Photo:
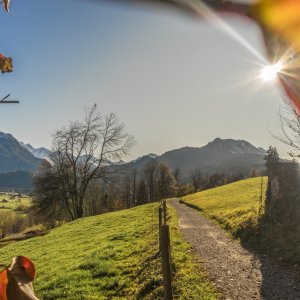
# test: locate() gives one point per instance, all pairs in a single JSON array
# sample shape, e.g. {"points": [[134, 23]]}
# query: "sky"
{"points": [[173, 80]]}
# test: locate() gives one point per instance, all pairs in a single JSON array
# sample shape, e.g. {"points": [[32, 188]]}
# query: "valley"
{"points": [[116, 254], [150, 150]]}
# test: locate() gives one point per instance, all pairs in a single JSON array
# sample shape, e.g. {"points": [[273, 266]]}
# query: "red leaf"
{"points": [[16, 280]]}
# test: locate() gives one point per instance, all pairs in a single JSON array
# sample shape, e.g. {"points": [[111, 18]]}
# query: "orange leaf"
{"points": [[282, 17], [5, 64], [280, 22], [3, 284]]}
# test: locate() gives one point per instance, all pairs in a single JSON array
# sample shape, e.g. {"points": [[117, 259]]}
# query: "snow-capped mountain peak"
{"points": [[41, 152], [13, 156]]}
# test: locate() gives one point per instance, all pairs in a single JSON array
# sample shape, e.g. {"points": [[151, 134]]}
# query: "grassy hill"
{"points": [[233, 205], [111, 256], [236, 208]]}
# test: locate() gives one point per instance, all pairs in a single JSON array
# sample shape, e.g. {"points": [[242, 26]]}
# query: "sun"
{"points": [[269, 73]]}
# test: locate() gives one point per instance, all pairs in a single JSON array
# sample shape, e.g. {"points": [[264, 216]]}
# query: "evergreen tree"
{"points": [[271, 157]]}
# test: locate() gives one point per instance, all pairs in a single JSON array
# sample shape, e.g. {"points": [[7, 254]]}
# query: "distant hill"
{"points": [[16, 180], [14, 157], [219, 156]]}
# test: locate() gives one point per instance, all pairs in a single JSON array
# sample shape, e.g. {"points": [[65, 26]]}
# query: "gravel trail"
{"points": [[237, 273]]}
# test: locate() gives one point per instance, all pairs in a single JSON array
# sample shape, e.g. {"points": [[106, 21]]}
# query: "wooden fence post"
{"points": [[159, 216], [159, 227], [166, 262], [165, 212]]}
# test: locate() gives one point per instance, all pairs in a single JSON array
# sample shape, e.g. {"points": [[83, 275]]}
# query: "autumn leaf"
{"points": [[3, 284], [6, 4], [282, 17], [5, 64], [280, 24], [16, 280]]}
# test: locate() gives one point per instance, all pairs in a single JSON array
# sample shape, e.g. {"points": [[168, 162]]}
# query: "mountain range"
{"points": [[41, 152], [14, 157], [219, 156], [227, 156]]}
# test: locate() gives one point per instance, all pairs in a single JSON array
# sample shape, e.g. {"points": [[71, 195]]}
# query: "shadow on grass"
{"points": [[276, 248], [190, 205]]}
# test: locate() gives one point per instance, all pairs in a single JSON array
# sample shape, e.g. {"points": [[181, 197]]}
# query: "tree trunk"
{"points": [[79, 212]]}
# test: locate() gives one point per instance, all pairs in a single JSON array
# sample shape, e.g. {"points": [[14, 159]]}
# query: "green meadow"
{"points": [[233, 205], [239, 208], [110, 256], [14, 203]]}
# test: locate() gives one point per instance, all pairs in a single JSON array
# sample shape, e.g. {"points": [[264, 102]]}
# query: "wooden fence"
{"points": [[164, 247]]}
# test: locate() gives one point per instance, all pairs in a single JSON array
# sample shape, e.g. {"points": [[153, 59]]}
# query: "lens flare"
{"points": [[205, 11], [270, 73]]}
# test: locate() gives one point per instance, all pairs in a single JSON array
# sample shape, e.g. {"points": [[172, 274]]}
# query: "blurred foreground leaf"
{"points": [[5, 64], [6, 4], [16, 280]]}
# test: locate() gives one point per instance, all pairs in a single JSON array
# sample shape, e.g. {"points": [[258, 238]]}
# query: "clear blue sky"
{"points": [[174, 81]]}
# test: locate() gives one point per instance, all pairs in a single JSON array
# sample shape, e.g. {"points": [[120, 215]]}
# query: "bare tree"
{"points": [[126, 191], [177, 174], [134, 174], [141, 192], [49, 204], [6, 222], [290, 127], [129, 187], [81, 153], [196, 179], [166, 182], [216, 179], [93, 201], [150, 172]]}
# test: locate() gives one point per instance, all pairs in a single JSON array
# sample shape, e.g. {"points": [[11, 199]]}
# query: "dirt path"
{"points": [[236, 272]]}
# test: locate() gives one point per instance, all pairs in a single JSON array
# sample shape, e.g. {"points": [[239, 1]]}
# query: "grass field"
{"points": [[236, 208], [12, 204], [111, 256], [233, 205]]}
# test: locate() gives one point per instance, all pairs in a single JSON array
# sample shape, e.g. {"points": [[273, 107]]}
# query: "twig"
{"points": [[3, 100]]}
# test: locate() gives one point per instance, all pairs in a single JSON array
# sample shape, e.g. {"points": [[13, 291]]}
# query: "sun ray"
{"points": [[206, 12]]}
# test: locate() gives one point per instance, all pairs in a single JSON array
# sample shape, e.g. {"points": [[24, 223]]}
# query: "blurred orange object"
{"points": [[6, 4], [5, 64], [282, 17], [16, 280]]}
